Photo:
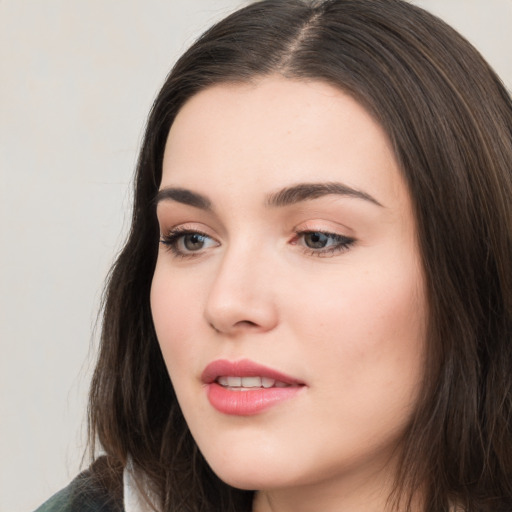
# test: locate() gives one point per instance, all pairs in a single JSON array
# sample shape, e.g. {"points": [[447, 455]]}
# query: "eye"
{"points": [[320, 243], [316, 240], [187, 243], [192, 241]]}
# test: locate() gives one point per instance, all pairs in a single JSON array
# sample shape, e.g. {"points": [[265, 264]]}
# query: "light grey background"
{"points": [[77, 80]]}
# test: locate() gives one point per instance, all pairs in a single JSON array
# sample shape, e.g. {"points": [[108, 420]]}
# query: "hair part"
{"points": [[449, 120]]}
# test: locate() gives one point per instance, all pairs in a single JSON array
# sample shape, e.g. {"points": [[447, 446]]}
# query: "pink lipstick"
{"points": [[244, 388]]}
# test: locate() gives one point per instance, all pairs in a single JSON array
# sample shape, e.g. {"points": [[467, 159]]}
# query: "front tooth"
{"points": [[251, 382], [234, 382], [223, 381], [266, 382]]}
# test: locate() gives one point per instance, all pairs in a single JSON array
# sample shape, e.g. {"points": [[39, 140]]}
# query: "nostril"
{"points": [[241, 324], [246, 323]]}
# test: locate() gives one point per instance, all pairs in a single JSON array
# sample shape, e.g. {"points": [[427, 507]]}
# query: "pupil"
{"points": [[316, 240], [193, 242]]}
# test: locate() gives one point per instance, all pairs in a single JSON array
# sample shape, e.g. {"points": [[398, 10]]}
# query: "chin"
{"points": [[249, 469], [249, 480], [261, 471]]}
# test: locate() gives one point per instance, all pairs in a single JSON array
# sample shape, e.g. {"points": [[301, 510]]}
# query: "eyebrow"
{"points": [[184, 196], [308, 191], [284, 197]]}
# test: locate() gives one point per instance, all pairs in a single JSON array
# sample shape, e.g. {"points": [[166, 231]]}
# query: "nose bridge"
{"points": [[241, 293]]}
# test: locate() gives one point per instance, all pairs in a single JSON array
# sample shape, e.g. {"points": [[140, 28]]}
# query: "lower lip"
{"points": [[248, 402]]}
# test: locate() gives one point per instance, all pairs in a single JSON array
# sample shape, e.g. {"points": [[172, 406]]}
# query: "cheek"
{"points": [[175, 317], [368, 326]]}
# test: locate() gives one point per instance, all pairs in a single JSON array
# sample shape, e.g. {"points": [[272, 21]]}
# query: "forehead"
{"points": [[274, 132]]}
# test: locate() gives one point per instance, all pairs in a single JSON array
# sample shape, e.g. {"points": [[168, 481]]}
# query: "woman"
{"points": [[313, 310]]}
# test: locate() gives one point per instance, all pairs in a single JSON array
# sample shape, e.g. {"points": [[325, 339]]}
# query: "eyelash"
{"points": [[341, 242]]}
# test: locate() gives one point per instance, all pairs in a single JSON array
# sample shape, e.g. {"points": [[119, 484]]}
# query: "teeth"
{"points": [[249, 382], [234, 382], [267, 383]]}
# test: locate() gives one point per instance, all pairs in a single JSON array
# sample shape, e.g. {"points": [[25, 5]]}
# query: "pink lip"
{"points": [[251, 401], [243, 368]]}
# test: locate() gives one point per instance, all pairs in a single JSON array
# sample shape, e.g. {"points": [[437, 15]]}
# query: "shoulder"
{"points": [[86, 493]]}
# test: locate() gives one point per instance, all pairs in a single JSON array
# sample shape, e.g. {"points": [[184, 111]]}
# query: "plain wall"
{"points": [[77, 80]]}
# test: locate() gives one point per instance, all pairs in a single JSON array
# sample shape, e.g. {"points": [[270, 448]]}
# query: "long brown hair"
{"points": [[450, 122]]}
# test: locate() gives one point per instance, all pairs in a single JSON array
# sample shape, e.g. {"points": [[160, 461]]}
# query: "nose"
{"points": [[242, 296]]}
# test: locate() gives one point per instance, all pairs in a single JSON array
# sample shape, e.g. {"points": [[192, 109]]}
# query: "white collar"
{"points": [[132, 499]]}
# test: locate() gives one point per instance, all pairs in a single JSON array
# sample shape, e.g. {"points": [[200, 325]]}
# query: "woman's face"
{"points": [[288, 295]]}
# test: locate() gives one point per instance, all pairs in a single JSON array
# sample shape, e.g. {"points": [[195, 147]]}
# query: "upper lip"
{"points": [[243, 368]]}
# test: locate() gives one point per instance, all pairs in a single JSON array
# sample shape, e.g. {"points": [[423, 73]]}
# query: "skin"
{"points": [[349, 323]]}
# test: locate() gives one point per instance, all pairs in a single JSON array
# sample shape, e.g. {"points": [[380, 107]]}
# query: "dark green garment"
{"points": [[83, 494]]}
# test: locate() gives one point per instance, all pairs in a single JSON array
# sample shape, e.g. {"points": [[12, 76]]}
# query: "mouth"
{"points": [[246, 383], [246, 374], [244, 388]]}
